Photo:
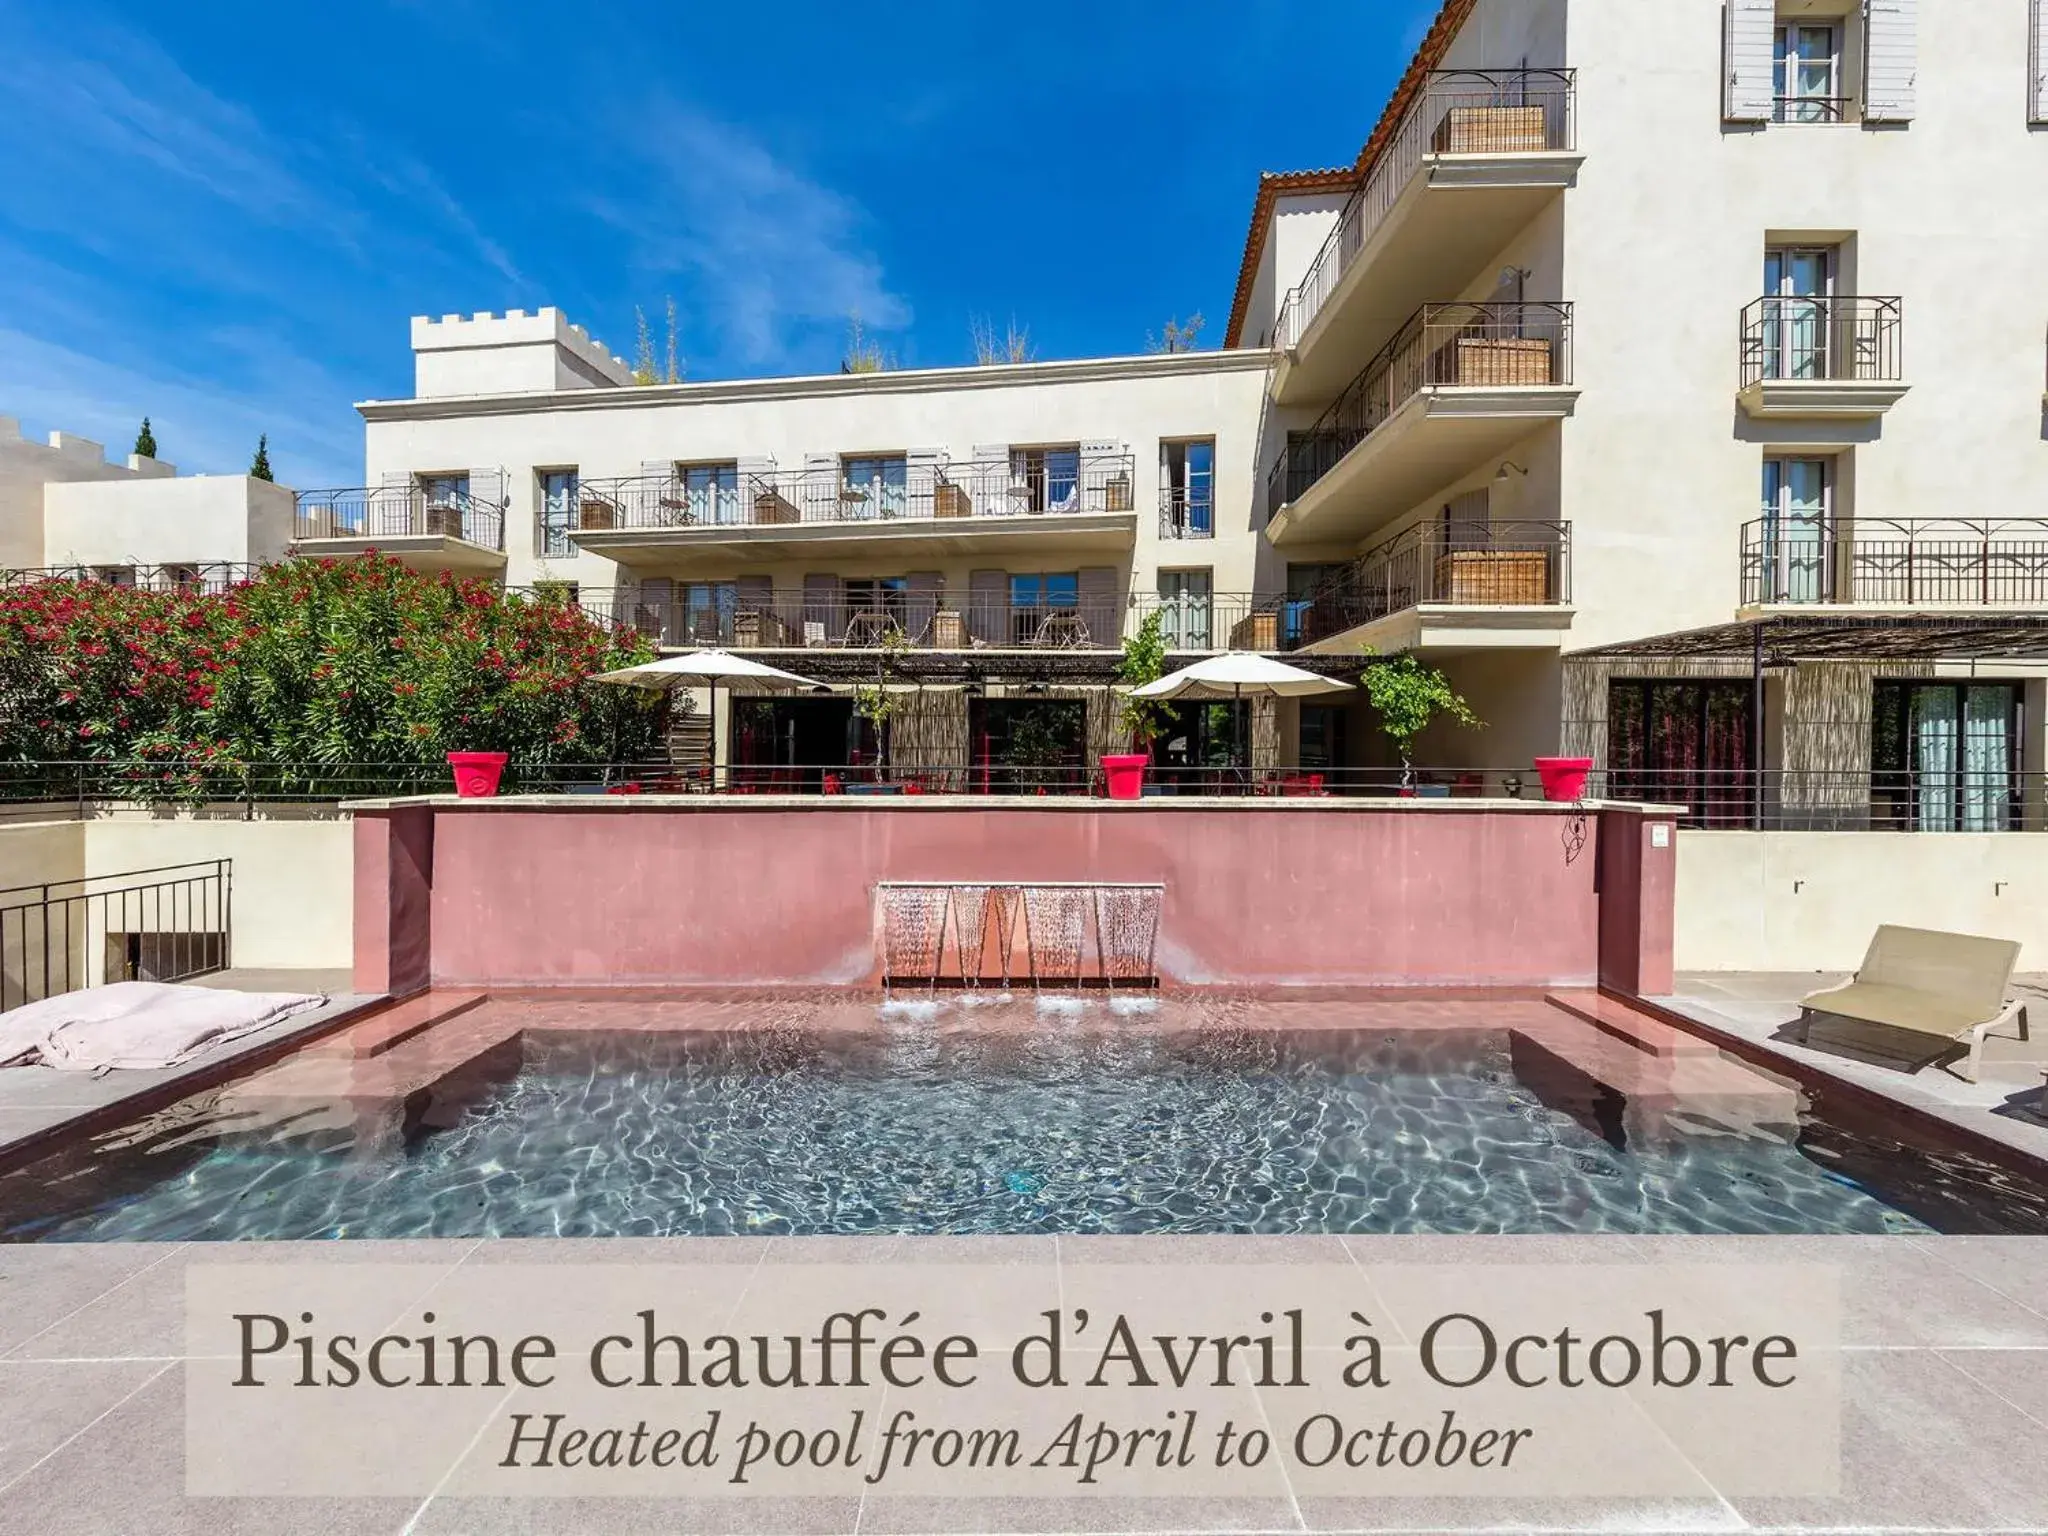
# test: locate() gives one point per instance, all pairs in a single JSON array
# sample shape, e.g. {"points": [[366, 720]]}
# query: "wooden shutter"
{"points": [[825, 604], [2037, 61], [655, 614], [927, 591], [487, 487], [988, 606], [1891, 59], [657, 469], [1098, 584], [1746, 48]]}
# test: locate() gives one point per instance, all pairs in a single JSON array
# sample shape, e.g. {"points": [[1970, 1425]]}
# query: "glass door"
{"points": [[1807, 63], [1795, 542], [1798, 282], [1185, 603]]}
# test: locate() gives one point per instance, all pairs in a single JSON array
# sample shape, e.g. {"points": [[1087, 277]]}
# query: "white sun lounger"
{"points": [[1946, 986]]}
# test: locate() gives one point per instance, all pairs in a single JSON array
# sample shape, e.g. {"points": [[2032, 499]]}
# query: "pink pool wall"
{"points": [[546, 894]]}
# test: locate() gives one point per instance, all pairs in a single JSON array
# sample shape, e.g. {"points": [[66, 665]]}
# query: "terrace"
{"points": [[1477, 156], [1081, 498], [431, 524], [1458, 385]]}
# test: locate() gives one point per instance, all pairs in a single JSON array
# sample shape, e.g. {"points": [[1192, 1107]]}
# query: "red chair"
{"points": [[832, 784]]}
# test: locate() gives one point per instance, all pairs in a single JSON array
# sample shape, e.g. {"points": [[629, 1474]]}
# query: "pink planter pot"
{"points": [[476, 773], [1125, 772], [1564, 778]]}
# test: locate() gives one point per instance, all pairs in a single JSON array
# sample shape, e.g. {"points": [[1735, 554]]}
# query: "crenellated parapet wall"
{"points": [[512, 353]]}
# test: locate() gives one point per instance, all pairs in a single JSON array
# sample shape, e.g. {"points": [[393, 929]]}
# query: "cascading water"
{"points": [[1063, 923]]}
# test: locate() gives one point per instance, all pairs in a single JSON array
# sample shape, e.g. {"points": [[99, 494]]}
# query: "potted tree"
{"points": [[1408, 696], [876, 704], [1143, 661]]}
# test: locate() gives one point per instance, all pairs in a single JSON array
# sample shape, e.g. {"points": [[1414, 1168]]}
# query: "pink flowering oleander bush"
{"points": [[313, 664]]}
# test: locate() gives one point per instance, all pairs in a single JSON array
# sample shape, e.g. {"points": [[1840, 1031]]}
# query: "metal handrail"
{"points": [[1958, 561], [399, 511], [1458, 111], [57, 933], [1486, 346], [202, 576], [1452, 562], [1823, 337]]}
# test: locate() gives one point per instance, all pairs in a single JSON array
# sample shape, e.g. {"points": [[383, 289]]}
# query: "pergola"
{"points": [[1776, 642]]}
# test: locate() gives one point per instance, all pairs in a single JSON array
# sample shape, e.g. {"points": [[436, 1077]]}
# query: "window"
{"points": [[1945, 756], [873, 485], [1682, 742], [1186, 604], [1190, 476], [1306, 583], [711, 492], [1046, 479], [704, 611], [444, 490], [1806, 69], [1322, 737], [557, 509], [1038, 597], [1795, 544]]}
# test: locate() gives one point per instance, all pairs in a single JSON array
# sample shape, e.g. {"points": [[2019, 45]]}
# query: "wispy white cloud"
{"points": [[775, 259], [199, 424]]}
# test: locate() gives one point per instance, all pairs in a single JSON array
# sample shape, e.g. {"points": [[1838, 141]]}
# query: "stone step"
{"points": [[1631, 1026], [403, 1021]]}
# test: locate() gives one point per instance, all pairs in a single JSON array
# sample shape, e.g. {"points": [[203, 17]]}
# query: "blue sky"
{"points": [[222, 213]]}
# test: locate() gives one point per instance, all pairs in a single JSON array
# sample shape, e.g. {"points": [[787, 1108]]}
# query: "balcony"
{"points": [[1476, 158], [1880, 563], [198, 576], [1458, 385], [971, 508], [792, 619], [1833, 358], [445, 530], [1447, 587], [1185, 514]]}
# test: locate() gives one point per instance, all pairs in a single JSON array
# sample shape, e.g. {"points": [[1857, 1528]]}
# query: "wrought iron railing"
{"points": [[1489, 346], [1458, 112], [202, 576], [1839, 337], [792, 619], [1185, 514], [1025, 486], [1520, 563], [1811, 109], [397, 512], [1907, 562], [164, 924], [1960, 798]]}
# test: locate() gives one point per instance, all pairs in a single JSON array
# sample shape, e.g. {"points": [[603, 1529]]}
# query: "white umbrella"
{"points": [[707, 669], [1234, 674]]}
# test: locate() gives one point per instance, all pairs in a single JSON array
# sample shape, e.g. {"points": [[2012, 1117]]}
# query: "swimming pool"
{"points": [[1088, 1122]]}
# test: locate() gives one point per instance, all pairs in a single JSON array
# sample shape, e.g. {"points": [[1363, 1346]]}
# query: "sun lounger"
{"points": [[1944, 986]]}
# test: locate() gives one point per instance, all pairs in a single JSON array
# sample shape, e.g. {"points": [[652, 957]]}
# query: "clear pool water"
{"points": [[1063, 1129]]}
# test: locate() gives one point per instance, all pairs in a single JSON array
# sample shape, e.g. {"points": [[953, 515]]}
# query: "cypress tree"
{"points": [[259, 467], [145, 441]]}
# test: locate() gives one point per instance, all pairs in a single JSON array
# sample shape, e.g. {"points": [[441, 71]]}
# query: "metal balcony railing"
{"points": [[1921, 561], [1520, 563], [1838, 338], [1185, 514], [1022, 486], [1215, 621], [398, 512], [195, 576], [1458, 112], [1488, 346], [788, 619], [162, 924]]}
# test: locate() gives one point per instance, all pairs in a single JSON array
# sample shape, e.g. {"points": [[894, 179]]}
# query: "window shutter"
{"points": [[988, 604], [824, 605], [2037, 62], [654, 614], [657, 469], [754, 594], [1098, 586], [927, 590], [1751, 27], [1891, 59], [487, 487]]}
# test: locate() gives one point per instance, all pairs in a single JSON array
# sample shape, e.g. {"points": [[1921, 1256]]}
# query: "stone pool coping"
{"points": [[1946, 1381], [727, 800], [42, 1110], [2004, 1118]]}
